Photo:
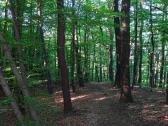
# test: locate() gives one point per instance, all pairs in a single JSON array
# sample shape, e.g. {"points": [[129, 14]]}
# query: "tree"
{"points": [[21, 76], [14, 104], [45, 55], [61, 57], [73, 46], [22, 84], [136, 47], [151, 57], [126, 95], [140, 49], [118, 45]]}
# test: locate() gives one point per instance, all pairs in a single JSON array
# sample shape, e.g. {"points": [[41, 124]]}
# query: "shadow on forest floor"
{"points": [[97, 105]]}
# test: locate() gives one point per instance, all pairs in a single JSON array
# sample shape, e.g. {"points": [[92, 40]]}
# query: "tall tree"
{"points": [[141, 48], [17, 16], [126, 95], [111, 73], [45, 56], [151, 80], [118, 45], [8, 93], [136, 48], [163, 49], [61, 57], [73, 45], [21, 82]]}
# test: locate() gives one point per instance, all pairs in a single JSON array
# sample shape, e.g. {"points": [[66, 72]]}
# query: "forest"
{"points": [[83, 62]]}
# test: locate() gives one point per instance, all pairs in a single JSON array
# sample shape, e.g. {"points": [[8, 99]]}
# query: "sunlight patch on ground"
{"points": [[78, 97], [148, 105], [160, 91], [165, 106], [73, 98], [100, 99], [166, 118], [58, 92]]}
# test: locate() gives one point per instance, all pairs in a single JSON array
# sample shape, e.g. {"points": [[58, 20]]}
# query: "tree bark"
{"points": [[14, 104], [61, 57], [126, 95], [118, 46], [136, 47], [140, 50], [163, 51], [167, 89], [45, 54], [111, 73], [78, 61], [73, 46], [151, 81], [22, 83]]}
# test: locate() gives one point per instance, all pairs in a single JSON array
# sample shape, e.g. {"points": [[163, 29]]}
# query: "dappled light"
{"points": [[83, 62], [100, 99], [98, 103], [73, 98]]}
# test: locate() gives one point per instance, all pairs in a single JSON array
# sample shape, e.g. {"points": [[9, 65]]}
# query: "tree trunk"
{"points": [[140, 50], [93, 62], [100, 56], [111, 73], [163, 52], [21, 77], [22, 83], [136, 48], [126, 95], [73, 45], [14, 104], [61, 57], [167, 89], [45, 55], [97, 74], [78, 61], [118, 46], [162, 63], [151, 82]]}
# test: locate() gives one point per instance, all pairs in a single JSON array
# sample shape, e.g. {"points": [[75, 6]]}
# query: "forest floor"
{"points": [[98, 105]]}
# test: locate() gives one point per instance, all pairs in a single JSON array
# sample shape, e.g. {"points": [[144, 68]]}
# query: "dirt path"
{"points": [[97, 105]]}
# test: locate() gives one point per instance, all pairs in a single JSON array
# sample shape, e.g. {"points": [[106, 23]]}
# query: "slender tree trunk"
{"points": [[46, 62], [97, 74], [162, 62], [136, 47], [45, 54], [73, 46], [140, 50], [167, 89], [78, 61], [157, 70], [21, 77], [118, 46], [61, 57], [111, 73], [163, 53], [93, 61], [152, 50], [1, 92], [14, 104], [22, 83], [126, 95], [100, 56], [86, 72], [100, 66]]}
